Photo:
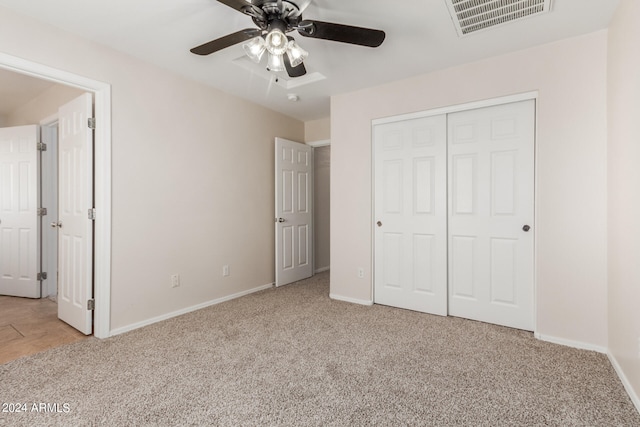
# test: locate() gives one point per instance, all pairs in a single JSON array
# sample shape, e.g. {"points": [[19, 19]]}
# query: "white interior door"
{"points": [[294, 211], [19, 221], [491, 212], [75, 193], [411, 214]]}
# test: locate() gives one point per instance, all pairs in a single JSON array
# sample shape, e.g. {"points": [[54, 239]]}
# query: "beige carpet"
{"points": [[292, 356]]}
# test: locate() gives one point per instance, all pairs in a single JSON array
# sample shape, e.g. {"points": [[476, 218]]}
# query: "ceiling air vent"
{"points": [[475, 15]]}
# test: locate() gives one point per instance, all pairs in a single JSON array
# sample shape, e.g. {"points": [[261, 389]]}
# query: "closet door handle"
{"points": [[526, 228], [379, 223]]}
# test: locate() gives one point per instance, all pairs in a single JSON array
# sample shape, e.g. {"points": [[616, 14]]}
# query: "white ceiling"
{"points": [[421, 37]]}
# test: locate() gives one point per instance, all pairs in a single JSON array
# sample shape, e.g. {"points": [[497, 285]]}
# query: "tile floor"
{"points": [[28, 326]]}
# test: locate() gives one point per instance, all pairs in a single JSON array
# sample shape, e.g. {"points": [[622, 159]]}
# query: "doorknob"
{"points": [[526, 228], [281, 219], [56, 225], [379, 223]]}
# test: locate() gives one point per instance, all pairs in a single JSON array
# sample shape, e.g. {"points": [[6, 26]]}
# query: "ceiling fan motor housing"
{"points": [[265, 14]]}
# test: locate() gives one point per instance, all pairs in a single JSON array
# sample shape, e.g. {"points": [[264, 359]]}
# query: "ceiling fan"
{"points": [[276, 18]]}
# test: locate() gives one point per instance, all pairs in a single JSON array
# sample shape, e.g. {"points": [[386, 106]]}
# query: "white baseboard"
{"points": [[153, 320], [625, 381], [351, 300], [321, 269], [569, 343]]}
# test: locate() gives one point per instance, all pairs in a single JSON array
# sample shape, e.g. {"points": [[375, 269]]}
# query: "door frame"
{"points": [[491, 102], [102, 170]]}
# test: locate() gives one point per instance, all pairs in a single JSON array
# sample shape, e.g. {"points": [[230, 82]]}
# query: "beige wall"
{"points": [[317, 130], [44, 105], [624, 192], [192, 184], [571, 225]]}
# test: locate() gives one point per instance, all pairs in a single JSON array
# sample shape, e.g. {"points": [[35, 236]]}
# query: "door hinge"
{"points": [[42, 146], [91, 122], [41, 276], [42, 211], [91, 304], [92, 214]]}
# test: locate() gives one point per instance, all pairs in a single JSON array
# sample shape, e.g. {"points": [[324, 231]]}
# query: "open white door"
{"points": [[411, 214], [294, 212], [19, 220], [75, 201], [491, 209]]}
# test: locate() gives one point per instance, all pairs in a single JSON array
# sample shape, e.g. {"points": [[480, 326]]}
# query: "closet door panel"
{"points": [[491, 200], [410, 230]]}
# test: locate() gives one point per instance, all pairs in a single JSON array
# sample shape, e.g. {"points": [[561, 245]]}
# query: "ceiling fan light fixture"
{"points": [[296, 54], [275, 62], [255, 48], [276, 42], [275, 18]]}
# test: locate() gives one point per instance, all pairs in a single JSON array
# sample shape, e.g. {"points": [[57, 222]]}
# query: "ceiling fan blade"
{"points": [[238, 5], [293, 72], [341, 33], [226, 41]]}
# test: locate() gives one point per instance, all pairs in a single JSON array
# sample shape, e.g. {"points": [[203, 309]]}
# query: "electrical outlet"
{"points": [[225, 270], [175, 280], [361, 273]]}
